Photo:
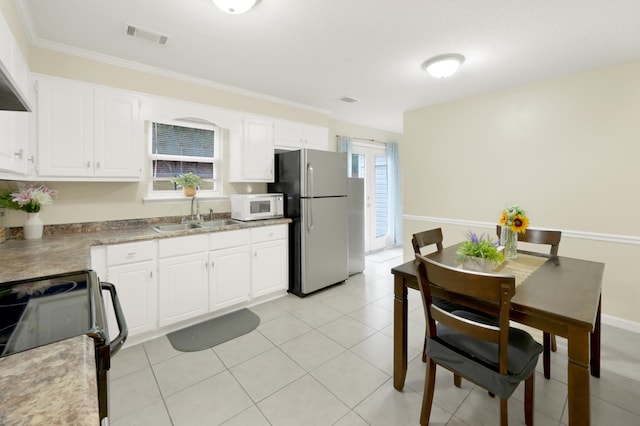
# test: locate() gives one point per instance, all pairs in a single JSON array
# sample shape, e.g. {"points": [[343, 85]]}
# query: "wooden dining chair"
{"points": [[485, 351], [419, 241], [551, 238]]}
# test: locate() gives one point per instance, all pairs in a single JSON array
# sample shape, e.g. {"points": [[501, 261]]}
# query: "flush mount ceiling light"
{"points": [[148, 35], [442, 66], [235, 7]]}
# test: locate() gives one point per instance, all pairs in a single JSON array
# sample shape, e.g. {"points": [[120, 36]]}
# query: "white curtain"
{"points": [[394, 237], [345, 145]]}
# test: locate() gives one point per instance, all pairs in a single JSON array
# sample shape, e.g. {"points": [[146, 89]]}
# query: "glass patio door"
{"points": [[370, 163]]}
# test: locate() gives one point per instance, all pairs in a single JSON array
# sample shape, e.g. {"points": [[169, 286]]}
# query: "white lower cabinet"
{"points": [[137, 290], [182, 278], [175, 279], [229, 275], [131, 267], [269, 260]]}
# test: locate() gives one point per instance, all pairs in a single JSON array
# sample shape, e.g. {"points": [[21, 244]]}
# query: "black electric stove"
{"points": [[49, 309]]}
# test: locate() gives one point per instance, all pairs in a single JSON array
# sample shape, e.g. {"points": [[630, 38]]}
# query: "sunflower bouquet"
{"points": [[515, 217]]}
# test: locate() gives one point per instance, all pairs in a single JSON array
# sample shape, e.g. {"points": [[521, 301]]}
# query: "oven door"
{"points": [[107, 349]]}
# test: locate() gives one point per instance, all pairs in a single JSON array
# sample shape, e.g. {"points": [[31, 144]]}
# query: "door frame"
{"points": [[370, 151]]}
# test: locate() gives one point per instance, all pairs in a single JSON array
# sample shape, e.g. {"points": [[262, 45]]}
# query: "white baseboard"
{"points": [[621, 323]]}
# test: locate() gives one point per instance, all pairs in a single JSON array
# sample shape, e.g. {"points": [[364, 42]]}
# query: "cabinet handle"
{"points": [[98, 165], [131, 254], [19, 154], [212, 264], [88, 164]]}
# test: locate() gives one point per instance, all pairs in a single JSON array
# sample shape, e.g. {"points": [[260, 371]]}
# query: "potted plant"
{"points": [[189, 182], [480, 253], [30, 199]]}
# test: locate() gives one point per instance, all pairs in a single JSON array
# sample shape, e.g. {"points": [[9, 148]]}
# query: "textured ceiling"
{"points": [[314, 52]]}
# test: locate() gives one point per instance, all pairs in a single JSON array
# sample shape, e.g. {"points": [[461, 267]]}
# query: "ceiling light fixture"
{"points": [[443, 66], [148, 35], [235, 7]]}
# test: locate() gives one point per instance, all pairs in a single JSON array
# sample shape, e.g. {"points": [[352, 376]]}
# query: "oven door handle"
{"points": [[116, 344]]}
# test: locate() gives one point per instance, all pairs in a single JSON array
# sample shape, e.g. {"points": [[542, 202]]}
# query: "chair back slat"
{"points": [[483, 331]]}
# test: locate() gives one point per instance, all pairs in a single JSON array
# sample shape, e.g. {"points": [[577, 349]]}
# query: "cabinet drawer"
{"points": [[178, 246], [227, 239], [269, 233], [131, 252]]}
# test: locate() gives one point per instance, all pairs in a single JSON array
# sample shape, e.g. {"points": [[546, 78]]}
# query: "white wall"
{"points": [[566, 149]]}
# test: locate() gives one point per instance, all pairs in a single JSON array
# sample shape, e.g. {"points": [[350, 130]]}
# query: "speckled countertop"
{"points": [[69, 251], [50, 385]]}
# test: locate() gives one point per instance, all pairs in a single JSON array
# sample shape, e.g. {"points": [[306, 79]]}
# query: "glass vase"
{"points": [[509, 240], [33, 227]]}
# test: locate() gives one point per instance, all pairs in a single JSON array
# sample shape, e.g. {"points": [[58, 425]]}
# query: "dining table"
{"points": [[559, 295]]}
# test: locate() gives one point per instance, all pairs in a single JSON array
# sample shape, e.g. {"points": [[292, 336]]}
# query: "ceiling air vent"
{"points": [[349, 100], [148, 35]]}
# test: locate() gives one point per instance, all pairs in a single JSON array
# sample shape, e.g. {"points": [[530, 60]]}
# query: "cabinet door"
{"points": [[65, 129], [137, 290], [288, 135], [269, 267], [184, 288], [257, 150], [13, 125], [229, 277], [12, 141], [316, 137], [119, 134]]}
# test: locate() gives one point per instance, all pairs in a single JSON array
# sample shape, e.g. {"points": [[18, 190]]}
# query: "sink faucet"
{"points": [[196, 215]]}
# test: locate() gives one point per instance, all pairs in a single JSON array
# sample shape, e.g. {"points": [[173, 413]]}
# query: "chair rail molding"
{"points": [[594, 236]]}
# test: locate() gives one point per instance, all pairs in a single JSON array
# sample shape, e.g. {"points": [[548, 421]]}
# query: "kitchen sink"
{"points": [[175, 227], [220, 222]]}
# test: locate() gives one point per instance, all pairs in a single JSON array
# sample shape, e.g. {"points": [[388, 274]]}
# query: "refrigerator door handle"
{"points": [[310, 192], [310, 184]]}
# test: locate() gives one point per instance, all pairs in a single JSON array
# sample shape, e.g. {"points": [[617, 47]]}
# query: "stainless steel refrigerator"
{"points": [[314, 184]]}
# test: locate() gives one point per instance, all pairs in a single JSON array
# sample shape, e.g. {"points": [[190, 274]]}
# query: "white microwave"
{"points": [[256, 206]]}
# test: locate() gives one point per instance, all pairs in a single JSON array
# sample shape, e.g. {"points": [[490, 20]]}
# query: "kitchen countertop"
{"points": [[53, 385], [71, 251]]}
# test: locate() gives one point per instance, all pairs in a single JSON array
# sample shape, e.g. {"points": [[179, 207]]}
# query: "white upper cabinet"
{"points": [[88, 133], [14, 146], [291, 135], [252, 159], [119, 134]]}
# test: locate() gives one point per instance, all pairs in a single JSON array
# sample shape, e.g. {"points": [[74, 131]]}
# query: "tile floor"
{"points": [[327, 360]]}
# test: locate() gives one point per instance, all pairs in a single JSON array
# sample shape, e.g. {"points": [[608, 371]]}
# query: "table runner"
{"points": [[521, 267]]}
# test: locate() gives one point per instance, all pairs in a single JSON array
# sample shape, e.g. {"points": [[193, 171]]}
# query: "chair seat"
{"points": [[471, 356]]}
